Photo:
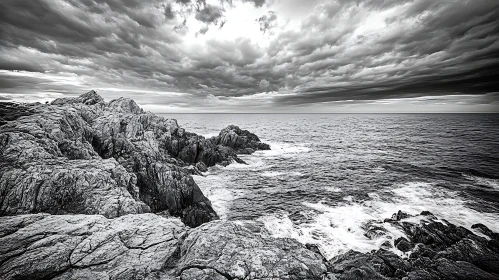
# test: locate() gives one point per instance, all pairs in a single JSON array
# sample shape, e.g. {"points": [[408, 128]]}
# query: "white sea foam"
{"points": [[280, 174], [488, 182], [338, 229], [211, 134], [253, 163]]}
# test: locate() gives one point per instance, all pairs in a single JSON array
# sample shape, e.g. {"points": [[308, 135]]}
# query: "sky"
{"points": [[192, 56]]}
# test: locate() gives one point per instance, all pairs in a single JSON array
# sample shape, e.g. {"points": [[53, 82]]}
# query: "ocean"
{"points": [[329, 176]]}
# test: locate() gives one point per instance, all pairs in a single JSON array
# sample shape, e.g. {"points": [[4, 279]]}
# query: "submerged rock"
{"points": [[85, 156]]}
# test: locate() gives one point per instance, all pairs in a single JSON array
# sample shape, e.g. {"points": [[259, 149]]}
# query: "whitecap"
{"points": [[280, 174], [488, 182]]}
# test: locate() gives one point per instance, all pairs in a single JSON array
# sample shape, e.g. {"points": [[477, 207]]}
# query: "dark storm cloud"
{"points": [[426, 48], [209, 14]]}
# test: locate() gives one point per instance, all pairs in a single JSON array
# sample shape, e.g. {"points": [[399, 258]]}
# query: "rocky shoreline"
{"points": [[103, 190]]}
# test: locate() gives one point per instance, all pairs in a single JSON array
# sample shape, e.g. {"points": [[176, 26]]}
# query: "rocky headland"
{"points": [[103, 190]]}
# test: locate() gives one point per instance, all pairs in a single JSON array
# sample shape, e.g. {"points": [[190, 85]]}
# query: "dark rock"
{"points": [[400, 215], [485, 230], [10, 111], [461, 270], [356, 265], [475, 251], [373, 230], [386, 245], [239, 139], [426, 213], [403, 244]]}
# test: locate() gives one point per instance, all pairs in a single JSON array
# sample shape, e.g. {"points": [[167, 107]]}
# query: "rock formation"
{"points": [[86, 156]]}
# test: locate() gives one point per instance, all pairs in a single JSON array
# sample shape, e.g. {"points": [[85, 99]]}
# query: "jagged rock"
{"points": [[42, 246], [400, 215], [231, 250], [201, 167], [113, 158], [89, 98]]}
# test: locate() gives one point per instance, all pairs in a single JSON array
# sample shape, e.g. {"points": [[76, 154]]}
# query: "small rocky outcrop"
{"points": [[83, 155], [241, 140]]}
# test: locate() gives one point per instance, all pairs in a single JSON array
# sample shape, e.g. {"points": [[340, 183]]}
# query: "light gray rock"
{"points": [[43, 246], [233, 250]]}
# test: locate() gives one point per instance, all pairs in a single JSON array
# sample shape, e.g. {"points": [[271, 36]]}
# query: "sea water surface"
{"points": [[327, 175]]}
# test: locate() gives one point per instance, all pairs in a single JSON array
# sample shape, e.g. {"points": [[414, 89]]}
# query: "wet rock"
{"points": [[400, 215], [42, 246], [238, 251], [486, 231], [403, 244], [373, 230], [386, 245]]}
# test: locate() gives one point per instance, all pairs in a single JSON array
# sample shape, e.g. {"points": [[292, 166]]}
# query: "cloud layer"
{"points": [[274, 55]]}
